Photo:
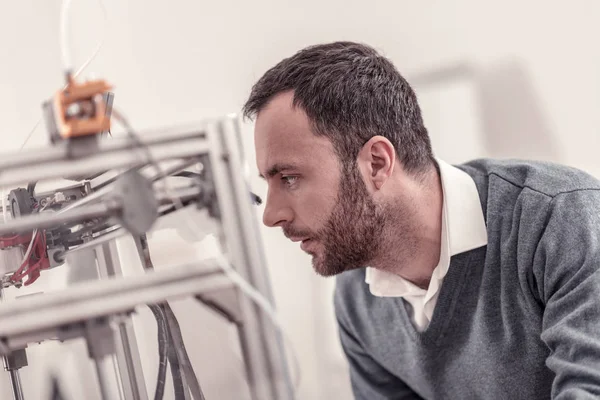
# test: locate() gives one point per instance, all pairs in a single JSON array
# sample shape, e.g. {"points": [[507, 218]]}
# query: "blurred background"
{"points": [[510, 79]]}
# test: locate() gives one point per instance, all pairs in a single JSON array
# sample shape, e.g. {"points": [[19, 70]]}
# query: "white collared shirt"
{"points": [[463, 229]]}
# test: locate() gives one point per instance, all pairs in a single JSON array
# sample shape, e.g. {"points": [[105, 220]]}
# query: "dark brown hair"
{"points": [[350, 93]]}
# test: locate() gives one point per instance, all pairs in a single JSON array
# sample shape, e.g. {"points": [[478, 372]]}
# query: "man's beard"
{"points": [[351, 237], [354, 233], [358, 231]]}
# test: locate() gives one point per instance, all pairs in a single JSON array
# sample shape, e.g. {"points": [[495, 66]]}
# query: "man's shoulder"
{"points": [[350, 289], [348, 283], [544, 177]]}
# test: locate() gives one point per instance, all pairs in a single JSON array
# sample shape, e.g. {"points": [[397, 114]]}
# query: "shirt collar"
{"points": [[463, 229]]}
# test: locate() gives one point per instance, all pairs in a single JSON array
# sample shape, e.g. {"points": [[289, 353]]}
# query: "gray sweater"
{"points": [[516, 319]]}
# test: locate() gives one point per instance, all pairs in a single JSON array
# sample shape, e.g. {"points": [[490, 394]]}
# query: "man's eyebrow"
{"points": [[277, 168]]}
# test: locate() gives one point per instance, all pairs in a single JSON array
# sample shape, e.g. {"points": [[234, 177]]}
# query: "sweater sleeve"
{"points": [[567, 269]]}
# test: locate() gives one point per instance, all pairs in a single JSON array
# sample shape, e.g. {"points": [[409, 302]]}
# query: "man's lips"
{"points": [[305, 244], [298, 239]]}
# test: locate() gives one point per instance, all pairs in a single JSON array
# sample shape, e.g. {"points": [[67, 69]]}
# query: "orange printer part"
{"points": [[80, 109]]}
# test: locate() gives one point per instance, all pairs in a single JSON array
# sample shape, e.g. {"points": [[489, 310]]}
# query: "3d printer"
{"points": [[119, 189]]}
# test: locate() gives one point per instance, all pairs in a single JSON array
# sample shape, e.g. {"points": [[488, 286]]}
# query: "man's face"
{"points": [[309, 195]]}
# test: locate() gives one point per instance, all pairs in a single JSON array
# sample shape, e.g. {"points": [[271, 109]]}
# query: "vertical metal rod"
{"points": [[255, 355], [108, 386], [15, 382], [245, 342], [124, 348], [127, 352], [101, 263], [262, 343], [273, 341], [15, 379], [100, 340]]}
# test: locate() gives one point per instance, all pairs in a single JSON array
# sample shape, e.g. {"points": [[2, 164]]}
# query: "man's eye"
{"points": [[289, 180]]}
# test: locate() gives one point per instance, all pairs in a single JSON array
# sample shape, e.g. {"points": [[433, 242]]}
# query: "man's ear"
{"points": [[376, 160]]}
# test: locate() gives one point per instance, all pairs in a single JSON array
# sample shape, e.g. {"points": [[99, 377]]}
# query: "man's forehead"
{"points": [[280, 122], [284, 138], [287, 150], [280, 150], [283, 133]]}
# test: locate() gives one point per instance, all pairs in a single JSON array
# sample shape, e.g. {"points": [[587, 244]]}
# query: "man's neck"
{"points": [[414, 256]]}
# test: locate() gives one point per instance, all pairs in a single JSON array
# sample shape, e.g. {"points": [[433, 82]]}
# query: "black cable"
{"points": [[189, 174], [176, 372], [184, 358], [172, 208], [134, 136], [161, 323], [177, 354]]}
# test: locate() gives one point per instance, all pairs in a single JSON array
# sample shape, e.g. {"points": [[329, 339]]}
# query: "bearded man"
{"points": [[471, 281]]}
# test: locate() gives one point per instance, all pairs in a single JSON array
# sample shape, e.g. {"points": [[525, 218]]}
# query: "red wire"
{"points": [[9, 237], [33, 273], [39, 248], [19, 273], [34, 270]]}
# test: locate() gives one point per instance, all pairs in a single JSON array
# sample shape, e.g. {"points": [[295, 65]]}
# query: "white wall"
{"points": [[531, 90]]}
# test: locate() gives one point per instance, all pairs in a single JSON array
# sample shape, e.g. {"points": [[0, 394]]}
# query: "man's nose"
{"points": [[276, 212]]}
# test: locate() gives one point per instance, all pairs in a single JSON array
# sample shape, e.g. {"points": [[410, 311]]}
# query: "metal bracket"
{"points": [[100, 338], [140, 207], [15, 360]]}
